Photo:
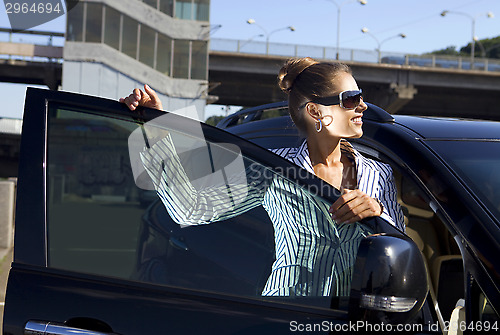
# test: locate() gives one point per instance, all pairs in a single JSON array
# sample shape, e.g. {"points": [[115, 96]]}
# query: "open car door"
{"points": [[98, 252]]}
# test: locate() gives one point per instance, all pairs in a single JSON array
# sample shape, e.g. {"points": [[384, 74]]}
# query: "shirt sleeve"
{"points": [[392, 211], [193, 201]]}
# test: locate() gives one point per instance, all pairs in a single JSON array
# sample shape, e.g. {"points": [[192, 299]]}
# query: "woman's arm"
{"points": [[355, 205], [220, 195]]}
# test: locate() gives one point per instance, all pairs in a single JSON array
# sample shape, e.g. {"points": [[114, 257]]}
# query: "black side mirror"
{"points": [[389, 282]]}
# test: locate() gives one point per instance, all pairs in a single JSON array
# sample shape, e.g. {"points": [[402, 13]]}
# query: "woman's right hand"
{"points": [[146, 98]]}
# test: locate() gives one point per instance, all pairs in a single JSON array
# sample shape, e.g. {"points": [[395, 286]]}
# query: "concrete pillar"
{"points": [[403, 95], [7, 204]]}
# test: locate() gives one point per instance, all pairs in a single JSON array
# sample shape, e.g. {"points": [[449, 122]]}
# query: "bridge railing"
{"points": [[47, 46], [36, 46], [353, 55]]}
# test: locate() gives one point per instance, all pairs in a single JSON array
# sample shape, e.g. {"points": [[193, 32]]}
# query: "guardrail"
{"points": [[353, 55]]}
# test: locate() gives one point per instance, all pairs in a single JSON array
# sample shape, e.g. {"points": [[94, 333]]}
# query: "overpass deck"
{"points": [[244, 74]]}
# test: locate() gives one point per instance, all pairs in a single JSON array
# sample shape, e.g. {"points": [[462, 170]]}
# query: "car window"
{"points": [[478, 164], [227, 223]]}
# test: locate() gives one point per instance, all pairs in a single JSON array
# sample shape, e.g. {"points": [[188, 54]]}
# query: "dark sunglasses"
{"points": [[346, 99]]}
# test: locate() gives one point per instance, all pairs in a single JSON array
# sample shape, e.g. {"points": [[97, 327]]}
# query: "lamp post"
{"points": [[339, 7], [473, 21], [366, 31], [268, 34]]}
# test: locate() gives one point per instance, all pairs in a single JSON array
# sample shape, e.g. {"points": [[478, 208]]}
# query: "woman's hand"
{"points": [[353, 206], [146, 98]]}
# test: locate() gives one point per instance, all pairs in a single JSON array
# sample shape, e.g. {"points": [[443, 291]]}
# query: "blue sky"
{"points": [[315, 23]]}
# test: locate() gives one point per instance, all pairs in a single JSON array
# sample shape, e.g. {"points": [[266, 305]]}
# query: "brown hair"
{"points": [[304, 79]]}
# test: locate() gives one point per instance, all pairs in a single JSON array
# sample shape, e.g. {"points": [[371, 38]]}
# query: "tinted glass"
{"points": [[129, 36], [199, 60], [219, 221], [147, 48], [478, 164], [112, 28], [152, 3], [167, 7], [201, 10], [164, 54], [184, 9], [74, 28], [181, 59], [93, 23]]}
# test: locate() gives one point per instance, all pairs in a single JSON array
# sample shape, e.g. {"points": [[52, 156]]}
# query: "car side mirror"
{"points": [[389, 281]]}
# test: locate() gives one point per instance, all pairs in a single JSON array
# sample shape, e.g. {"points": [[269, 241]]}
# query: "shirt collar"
{"points": [[303, 159]]}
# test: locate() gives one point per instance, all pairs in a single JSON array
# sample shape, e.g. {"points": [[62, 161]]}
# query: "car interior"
{"points": [[441, 253]]}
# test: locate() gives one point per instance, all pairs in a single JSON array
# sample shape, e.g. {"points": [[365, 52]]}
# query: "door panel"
{"points": [[136, 309]]}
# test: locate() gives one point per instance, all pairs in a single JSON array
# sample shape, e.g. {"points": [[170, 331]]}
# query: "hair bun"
{"points": [[291, 70]]}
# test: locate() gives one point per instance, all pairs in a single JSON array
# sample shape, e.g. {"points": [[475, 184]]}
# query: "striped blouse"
{"points": [[314, 254], [373, 177]]}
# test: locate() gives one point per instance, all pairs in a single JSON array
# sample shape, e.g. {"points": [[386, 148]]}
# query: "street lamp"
{"points": [[268, 34], [366, 31], [339, 7], [473, 20]]}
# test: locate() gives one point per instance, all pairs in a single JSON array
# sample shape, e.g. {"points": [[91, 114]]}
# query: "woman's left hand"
{"points": [[353, 206]]}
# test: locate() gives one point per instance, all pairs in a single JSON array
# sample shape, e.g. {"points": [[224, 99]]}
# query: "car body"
{"points": [[97, 253]]}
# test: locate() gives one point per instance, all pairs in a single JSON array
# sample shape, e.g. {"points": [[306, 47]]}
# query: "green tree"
{"points": [[214, 119], [448, 51], [489, 46]]}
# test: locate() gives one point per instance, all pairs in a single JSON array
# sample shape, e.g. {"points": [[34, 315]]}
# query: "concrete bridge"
{"points": [[247, 77], [417, 86]]}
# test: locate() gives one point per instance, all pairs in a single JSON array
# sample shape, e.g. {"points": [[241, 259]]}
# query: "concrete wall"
{"points": [[7, 205]]}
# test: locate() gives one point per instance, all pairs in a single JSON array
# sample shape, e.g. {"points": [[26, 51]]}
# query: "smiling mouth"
{"points": [[357, 120]]}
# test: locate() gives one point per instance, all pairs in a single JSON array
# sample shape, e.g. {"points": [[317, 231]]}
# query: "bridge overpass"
{"points": [[420, 85], [248, 77]]}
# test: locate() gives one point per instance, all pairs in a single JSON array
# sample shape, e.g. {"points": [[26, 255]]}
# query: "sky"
{"points": [[315, 23]]}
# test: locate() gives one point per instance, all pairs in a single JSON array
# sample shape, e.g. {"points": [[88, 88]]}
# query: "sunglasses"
{"points": [[346, 99]]}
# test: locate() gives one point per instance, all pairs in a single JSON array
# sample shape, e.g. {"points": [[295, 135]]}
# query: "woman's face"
{"points": [[340, 122]]}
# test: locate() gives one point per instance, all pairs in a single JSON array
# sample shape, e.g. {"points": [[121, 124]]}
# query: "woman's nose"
{"points": [[362, 105]]}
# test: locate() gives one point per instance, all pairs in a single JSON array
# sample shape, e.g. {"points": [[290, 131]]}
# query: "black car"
{"points": [[95, 253], [448, 180]]}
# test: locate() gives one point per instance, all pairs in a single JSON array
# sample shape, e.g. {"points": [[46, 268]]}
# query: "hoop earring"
{"points": [[320, 125]]}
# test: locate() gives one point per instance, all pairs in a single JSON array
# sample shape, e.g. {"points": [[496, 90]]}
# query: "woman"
{"points": [[315, 243], [326, 105]]}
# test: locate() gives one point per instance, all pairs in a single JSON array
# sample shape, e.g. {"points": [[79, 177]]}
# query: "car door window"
{"points": [[105, 218]]}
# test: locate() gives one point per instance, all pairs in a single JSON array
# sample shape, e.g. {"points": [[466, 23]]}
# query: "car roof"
{"points": [[426, 127], [450, 128]]}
